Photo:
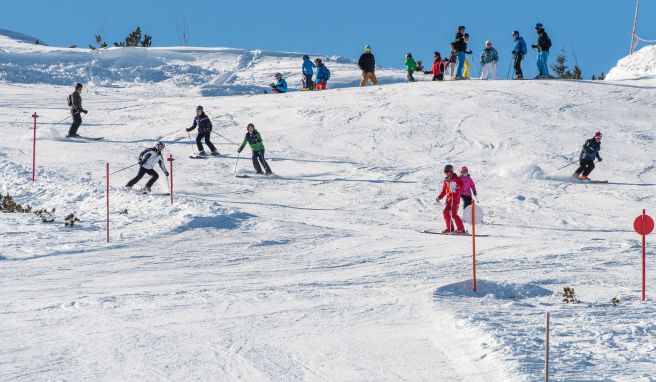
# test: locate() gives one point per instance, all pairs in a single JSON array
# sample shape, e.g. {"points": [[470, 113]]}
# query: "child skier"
{"points": [[489, 59], [451, 188], [148, 159], [204, 130], [590, 151], [410, 66], [323, 75], [468, 187], [438, 67], [453, 60], [254, 139], [308, 71], [280, 86]]}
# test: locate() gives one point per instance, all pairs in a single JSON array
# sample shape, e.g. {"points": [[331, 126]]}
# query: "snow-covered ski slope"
{"points": [[320, 273]]}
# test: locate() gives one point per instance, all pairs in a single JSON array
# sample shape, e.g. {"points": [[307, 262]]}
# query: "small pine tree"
{"points": [[567, 75], [577, 75], [594, 78], [602, 76], [561, 64], [147, 41], [133, 38]]}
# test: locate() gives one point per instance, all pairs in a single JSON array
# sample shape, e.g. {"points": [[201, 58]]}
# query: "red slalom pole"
{"points": [[546, 351], [34, 149], [170, 159], [107, 198], [644, 257], [473, 206]]}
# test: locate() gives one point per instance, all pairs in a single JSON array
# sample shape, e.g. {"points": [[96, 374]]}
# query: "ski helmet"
{"points": [[461, 27], [318, 61], [516, 33], [408, 54], [436, 54], [78, 86], [448, 168], [367, 48], [466, 35], [306, 57], [597, 134], [278, 75], [488, 42], [160, 146], [199, 108], [539, 26], [464, 169]]}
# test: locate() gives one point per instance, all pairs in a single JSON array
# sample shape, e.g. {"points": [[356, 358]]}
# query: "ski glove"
{"points": [[84, 111], [239, 149], [599, 160], [166, 173], [189, 129]]}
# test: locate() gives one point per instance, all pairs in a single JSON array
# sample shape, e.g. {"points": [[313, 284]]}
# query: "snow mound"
{"points": [[9, 37], [491, 289], [640, 65]]}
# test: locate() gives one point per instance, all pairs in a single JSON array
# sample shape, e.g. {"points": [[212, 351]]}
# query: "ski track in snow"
{"points": [[319, 273]]}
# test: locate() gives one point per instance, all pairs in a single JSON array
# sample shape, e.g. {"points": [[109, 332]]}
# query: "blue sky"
{"points": [[596, 32]]}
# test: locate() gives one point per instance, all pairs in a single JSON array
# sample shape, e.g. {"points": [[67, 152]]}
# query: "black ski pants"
{"points": [[438, 77], [206, 136], [518, 65], [466, 201], [410, 77], [258, 156], [143, 171], [585, 168], [77, 121]]}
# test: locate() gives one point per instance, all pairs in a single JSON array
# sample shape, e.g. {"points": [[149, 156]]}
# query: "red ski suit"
{"points": [[451, 188]]}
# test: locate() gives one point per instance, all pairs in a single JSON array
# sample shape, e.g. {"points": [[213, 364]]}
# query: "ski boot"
{"points": [[216, 153]]}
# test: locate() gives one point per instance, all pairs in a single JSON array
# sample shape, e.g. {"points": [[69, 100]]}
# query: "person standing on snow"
{"points": [[367, 63], [453, 60], [589, 153], [543, 45], [148, 159], [75, 103], [489, 59], [437, 69], [451, 188], [410, 66], [467, 66], [519, 51], [254, 139], [308, 71], [468, 187], [323, 75], [461, 47], [204, 129], [280, 86]]}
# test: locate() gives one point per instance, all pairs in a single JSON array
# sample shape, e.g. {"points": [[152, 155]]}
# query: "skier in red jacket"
{"points": [[438, 67], [451, 188]]}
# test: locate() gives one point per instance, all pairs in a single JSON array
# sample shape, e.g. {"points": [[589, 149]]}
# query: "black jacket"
{"points": [[461, 45], [544, 42], [203, 122], [590, 150], [367, 62]]}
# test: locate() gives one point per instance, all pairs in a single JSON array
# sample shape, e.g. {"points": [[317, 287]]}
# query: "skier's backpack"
{"points": [[70, 100]]}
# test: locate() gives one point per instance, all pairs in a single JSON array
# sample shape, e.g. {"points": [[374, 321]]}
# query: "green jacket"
{"points": [[254, 140], [410, 64]]}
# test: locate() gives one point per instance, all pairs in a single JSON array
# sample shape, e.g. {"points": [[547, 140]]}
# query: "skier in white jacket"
{"points": [[148, 159]]}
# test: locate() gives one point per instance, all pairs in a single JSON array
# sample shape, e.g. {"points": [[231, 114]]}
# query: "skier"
{"points": [[254, 139], [367, 63], [308, 71], [461, 47], [590, 151], [543, 45], [410, 66], [280, 86], [468, 187], [438, 67], [467, 66], [489, 59], [519, 51], [75, 102], [204, 130], [148, 159], [323, 75], [453, 58], [451, 188]]}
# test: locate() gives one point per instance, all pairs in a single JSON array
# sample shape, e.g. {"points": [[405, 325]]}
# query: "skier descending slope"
{"points": [[254, 139], [75, 103], [148, 159], [204, 129], [590, 151], [451, 188]]}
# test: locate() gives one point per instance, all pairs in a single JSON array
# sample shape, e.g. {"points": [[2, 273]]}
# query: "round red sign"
{"points": [[643, 226]]}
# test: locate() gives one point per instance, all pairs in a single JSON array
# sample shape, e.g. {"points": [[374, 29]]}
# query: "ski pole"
{"points": [[124, 168], [225, 138], [509, 66], [192, 144], [237, 161], [567, 165]]}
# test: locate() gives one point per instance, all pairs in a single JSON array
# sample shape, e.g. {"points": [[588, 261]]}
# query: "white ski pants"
{"points": [[489, 70]]}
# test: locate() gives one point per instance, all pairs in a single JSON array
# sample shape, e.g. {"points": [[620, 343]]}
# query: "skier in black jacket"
{"points": [[543, 46], [204, 130], [75, 102], [589, 153], [367, 63], [461, 48]]}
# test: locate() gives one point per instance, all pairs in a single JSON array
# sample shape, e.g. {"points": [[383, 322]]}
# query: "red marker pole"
{"points": [[34, 149], [107, 198], [546, 351], [170, 159], [473, 208], [643, 225]]}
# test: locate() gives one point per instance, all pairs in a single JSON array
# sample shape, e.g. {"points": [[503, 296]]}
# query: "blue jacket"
{"points": [[323, 74], [281, 85], [520, 46], [308, 67]]}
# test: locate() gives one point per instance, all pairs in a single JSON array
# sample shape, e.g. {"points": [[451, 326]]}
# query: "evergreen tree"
{"points": [[147, 41], [577, 75], [133, 38], [602, 76], [561, 64], [594, 78]]}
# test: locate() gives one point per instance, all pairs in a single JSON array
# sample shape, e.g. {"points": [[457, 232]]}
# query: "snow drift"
{"points": [[640, 65]]}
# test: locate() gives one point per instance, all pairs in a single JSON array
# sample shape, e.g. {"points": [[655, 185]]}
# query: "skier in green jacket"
{"points": [[410, 65], [254, 139]]}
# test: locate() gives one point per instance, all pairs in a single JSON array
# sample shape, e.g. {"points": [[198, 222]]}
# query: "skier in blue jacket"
{"points": [[308, 71], [280, 86], [519, 51], [323, 75]]}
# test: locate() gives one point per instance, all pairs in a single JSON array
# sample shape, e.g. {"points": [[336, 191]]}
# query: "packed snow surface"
{"points": [[319, 273]]}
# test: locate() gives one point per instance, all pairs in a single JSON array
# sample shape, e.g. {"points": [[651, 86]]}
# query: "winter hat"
{"points": [[539, 26], [597, 134], [318, 61], [464, 169], [278, 75], [367, 48], [160, 146], [466, 35], [436, 54], [78, 86], [199, 108], [488, 42], [516, 33], [306, 57], [461, 27]]}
